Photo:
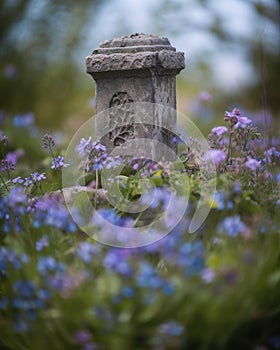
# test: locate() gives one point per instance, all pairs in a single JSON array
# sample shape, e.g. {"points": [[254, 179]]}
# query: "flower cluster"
{"points": [[60, 285], [48, 144], [234, 148], [94, 152]]}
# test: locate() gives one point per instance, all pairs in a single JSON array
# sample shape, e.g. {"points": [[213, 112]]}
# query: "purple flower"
{"points": [[84, 147], [38, 177], [216, 156], [12, 157], [4, 140], [16, 197], [10, 71], [58, 163], [236, 120], [48, 141], [270, 154], [17, 180], [95, 153], [34, 178], [242, 122], [219, 130], [205, 96], [82, 337], [97, 157], [232, 117], [6, 165], [208, 275], [113, 162], [252, 164], [135, 166], [98, 146]]}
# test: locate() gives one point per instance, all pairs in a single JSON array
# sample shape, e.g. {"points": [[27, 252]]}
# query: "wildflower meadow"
{"points": [[216, 288]]}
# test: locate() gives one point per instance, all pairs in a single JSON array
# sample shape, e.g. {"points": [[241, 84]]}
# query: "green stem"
{"points": [[96, 187], [8, 172], [41, 189], [138, 218], [53, 157], [4, 183], [229, 148]]}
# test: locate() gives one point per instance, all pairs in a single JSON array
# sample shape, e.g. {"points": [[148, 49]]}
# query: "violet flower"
{"points": [[216, 156], [219, 130], [252, 164], [58, 163]]}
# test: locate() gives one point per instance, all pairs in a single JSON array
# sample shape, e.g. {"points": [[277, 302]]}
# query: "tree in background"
{"points": [[41, 40], [38, 69], [261, 50]]}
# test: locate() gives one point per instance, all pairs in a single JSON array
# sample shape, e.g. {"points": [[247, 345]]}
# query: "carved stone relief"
{"points": [[121, 119]]}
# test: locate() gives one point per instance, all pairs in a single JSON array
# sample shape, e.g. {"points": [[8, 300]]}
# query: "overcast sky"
{"points": [[230, 67]]}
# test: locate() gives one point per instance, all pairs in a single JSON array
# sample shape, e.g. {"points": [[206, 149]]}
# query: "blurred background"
{"points": [[232, 51]]}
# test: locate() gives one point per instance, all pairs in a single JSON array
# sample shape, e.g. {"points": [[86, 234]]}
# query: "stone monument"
{"points": [[135, 68]]}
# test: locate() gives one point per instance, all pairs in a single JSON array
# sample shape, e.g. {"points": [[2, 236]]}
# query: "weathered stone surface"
{"points": [[135, 68], [133, 61]]}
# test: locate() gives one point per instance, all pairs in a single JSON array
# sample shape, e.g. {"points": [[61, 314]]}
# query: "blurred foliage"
{"points": [[39, 40], [262, 50]]}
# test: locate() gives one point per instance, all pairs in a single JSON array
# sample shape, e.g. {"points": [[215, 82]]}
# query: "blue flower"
{"points": [[58, 163], [147, 277], [43, 242], [25, 289], [9, 257], [117, 260], [51, 211], [274, 341], [171, 328], [128, 292], [23, 121], [49, 264], [111, 216], [233, 226], [219, 200], [191, 257], [87, 251], [25, 303], [4, 302]]}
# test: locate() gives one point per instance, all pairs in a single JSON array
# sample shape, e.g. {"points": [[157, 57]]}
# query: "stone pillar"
{"points": [[135, 68]]}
